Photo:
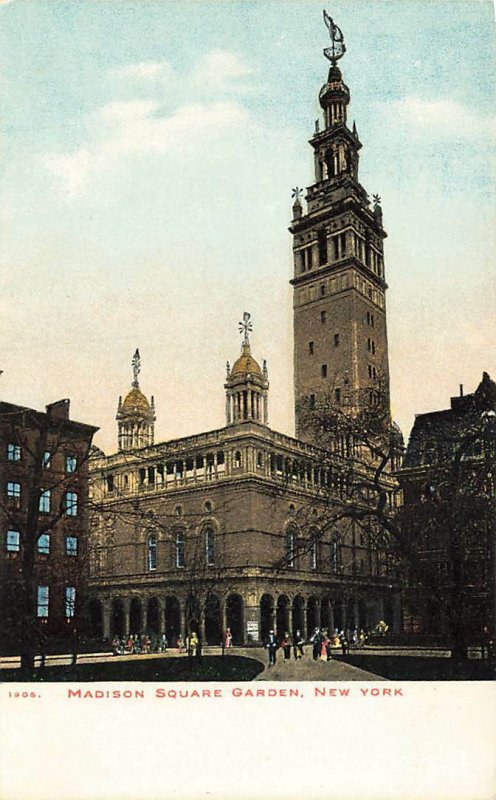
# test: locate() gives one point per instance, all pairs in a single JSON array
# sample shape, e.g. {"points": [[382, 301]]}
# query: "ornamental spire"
{"points": [[245, 328], [136, 364]]}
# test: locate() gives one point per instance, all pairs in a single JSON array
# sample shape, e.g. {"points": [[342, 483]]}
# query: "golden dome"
{"points": [[135, 399], [246, 364]]}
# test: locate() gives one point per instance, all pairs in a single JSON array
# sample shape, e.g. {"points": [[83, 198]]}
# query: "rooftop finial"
{"points": [[246, 327], [136, 362], [338, 47]]}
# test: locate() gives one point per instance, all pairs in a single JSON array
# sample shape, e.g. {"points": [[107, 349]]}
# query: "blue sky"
{"points": [[147, 155]]}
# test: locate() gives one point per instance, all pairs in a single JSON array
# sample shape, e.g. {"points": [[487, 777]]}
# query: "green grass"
{"points": [[210, 668]]}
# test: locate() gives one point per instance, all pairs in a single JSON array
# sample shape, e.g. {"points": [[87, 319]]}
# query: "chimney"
{"points": [[461, 390]]}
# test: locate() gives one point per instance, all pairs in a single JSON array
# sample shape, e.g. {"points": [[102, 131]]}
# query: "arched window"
{"points": [[152, 551], [237, 459], [210, 546], [290, 547], [180, 549]]}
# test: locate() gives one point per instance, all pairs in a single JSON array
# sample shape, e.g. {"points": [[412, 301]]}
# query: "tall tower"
{"points": [[135, 416], [246, 385], [340, 337]]}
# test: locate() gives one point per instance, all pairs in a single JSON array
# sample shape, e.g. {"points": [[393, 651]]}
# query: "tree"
{"points": [[437, 545], [43, 510]]}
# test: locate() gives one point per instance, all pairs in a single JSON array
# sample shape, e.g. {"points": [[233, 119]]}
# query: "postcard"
{"points": [[248, 410]]}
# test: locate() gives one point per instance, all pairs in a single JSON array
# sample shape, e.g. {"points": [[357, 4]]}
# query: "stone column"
{"points": [[356, 614], [304, 620], [126, 604], [252, 633], [317, 613], [201, 632], [397, 613], [182, 618], [331, 618], [106, 606], [223, 612], [144, 605], [344, 620], [228, 409], [161, 615]]}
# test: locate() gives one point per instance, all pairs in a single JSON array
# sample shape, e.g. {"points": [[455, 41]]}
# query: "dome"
{"points": [[246, 364], [135, 400]]}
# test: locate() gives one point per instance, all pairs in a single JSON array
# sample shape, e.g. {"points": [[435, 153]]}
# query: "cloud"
{"points": [[441, 118], [137, 128], [144, 70], [154, 124], [222, 71]]}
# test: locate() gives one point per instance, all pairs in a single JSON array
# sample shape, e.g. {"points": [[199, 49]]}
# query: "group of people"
{"points": [[135, 644], [322, 642]]}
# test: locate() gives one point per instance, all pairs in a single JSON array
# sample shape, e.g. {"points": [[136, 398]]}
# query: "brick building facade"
{"points": [[43, 518], [228, 528]]}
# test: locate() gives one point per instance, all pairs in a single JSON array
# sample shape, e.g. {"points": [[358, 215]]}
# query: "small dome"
{"points": [[246, 364], [134, 400]]}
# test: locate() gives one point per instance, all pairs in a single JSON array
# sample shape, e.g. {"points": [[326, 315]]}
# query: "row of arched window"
{"points": [[208, 535], [311, 550]]}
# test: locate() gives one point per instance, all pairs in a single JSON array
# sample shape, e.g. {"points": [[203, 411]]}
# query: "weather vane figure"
{"points": [[296, 193], [338, 47], [136, 362], [246, 327]]}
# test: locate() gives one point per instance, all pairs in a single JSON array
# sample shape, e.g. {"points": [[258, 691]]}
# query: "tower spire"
{"points": [[136, 364]]}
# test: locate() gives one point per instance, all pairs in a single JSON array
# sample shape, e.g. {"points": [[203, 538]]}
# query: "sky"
{"points": [[147, 156]]}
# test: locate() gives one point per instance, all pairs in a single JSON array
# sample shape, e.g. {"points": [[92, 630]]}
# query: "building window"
{"points": [[152, 552], [336, 340], [45, 501], [13, 452], [208, 505], [237, 459], [110, 483], [323, 317], [42, 602], [12, 541], [260, 460], [70, 463], [71, 546], [310, 348], [337, 394], [210, 546], [47, 459], [178, 511], [70, 601], [311, 401], [323, 370], [71, 504], [180, 549], [44, 544], [373, 347], [14, 494], [289, 546], [322, 289]]}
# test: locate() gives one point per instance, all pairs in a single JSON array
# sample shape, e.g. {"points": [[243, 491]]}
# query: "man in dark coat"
{"points": [[272, 647], [316, 640]]}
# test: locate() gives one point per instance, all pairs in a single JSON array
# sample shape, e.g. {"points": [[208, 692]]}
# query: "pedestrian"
{"points": [[343, 642], [298, 643], [328, 646], [192, 644], [271, 646], [180, 644], [163, 643], [316, 641], [198, 648], [286, 647], [228, 638]]}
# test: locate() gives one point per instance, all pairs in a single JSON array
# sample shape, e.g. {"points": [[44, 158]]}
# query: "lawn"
{"points": [[209, 668]]}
